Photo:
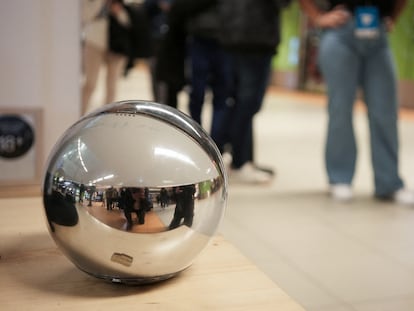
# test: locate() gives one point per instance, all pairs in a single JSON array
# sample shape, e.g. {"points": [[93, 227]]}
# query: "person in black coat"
{"points": [[133, 201], [184, 209], [250, 34], [170, 65]]}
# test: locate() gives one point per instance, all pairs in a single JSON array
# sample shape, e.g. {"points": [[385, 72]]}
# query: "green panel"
{"points": [[402, 43], [288, 50]]}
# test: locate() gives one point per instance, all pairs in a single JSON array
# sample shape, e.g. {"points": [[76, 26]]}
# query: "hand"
{"points": [[334, 18], [389, 23], [116, 8], [164, 5]]}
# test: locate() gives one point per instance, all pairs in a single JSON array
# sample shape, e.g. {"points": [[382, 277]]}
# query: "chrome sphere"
{"points": [[134, 191]]}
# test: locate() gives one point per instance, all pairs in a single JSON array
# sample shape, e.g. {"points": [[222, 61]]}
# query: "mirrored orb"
{"points": [[134, 191]]}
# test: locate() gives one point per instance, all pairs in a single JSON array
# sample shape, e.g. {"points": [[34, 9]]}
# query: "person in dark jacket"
{"points": [[251, 35], [184, 209], [157, 13], [209, 67], [133, 201], [170, 71]]}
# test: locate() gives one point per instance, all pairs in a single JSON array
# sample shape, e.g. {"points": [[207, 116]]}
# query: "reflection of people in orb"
{"points": [[134, 202], [82, 189], [59, 204], [148, 199], [111, 196], [90, 190], [164, 197], [122, 198], [184, 209]]}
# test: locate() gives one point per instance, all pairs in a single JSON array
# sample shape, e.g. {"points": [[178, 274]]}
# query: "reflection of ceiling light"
{"points": [[80, 154], [173, 154], [68, 155], [102, 178]]}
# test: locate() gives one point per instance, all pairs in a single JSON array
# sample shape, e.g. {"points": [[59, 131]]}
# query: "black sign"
{"points": [[16, 136]]}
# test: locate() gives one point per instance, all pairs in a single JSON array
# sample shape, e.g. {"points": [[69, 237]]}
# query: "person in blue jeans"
{"points": [[354, 53]]}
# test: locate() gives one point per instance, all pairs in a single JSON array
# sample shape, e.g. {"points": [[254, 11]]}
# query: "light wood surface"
{"points": [[36, 276]]}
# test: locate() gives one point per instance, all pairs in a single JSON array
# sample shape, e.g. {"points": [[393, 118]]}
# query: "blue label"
{"points": [[367, 21]]}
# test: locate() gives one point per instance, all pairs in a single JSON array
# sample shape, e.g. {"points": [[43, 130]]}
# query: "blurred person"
{"points": [[184, 209], [209, 66], [106, 42], [157, 12], [170, 67], [133, 201], [354, 53], [111, 195], [164, 197], [250, 34], [82, 189]]}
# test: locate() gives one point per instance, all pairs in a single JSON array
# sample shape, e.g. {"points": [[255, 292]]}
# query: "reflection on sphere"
{"points": [[134, 191]]}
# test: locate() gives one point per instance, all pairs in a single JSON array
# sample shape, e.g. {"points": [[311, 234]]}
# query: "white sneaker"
{"points": [[342, 192], [248, 174], [403, 196], [227, 158]]}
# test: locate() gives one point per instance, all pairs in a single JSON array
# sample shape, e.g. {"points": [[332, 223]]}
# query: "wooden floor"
{"points": [[116, 219]]}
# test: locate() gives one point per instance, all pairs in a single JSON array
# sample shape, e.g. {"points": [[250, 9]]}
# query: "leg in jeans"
{"points": [[380, 91], [220, 82], [166, 94], [252, 70], [340, 65], [222, 125], [200, 67]]}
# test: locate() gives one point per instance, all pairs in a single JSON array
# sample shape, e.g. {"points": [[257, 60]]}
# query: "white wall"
{"points": [[40, 62]]}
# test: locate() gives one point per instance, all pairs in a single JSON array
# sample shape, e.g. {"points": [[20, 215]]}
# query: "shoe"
{"points": [[227, 158], [248, 174], [265, 169], [403, 196], [342, 192]]}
